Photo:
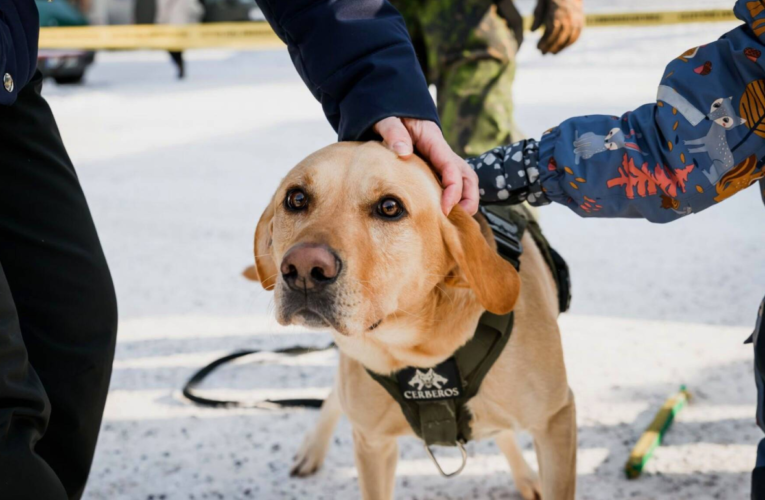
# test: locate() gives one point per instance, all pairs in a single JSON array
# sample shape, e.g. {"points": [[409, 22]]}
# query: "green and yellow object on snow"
{"points": [[653, 436]]}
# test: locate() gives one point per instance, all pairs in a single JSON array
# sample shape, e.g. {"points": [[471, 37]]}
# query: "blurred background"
{"points": [[178, 170]]}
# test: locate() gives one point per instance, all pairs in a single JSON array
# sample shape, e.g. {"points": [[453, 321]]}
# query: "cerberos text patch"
{"points": [[431, 384]]}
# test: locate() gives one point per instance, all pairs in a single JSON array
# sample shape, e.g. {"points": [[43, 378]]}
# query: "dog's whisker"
{"points": [[416, 316], [446, 294], [272, 276]]}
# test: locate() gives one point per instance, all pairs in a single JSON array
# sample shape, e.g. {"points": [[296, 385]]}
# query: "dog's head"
{"points": [[355, 237]]}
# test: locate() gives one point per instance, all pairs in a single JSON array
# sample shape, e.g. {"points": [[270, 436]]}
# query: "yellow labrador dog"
{"points": [[354, 239]]}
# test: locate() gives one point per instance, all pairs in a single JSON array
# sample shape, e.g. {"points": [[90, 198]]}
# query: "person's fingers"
{"points": [[563, 21], [537, 23], [563, 37], [470, 196], [577, 33], [574, 26], [430, 142], [395, 136], [552, 32], [451, 180], [544, 42], [540, 15]]}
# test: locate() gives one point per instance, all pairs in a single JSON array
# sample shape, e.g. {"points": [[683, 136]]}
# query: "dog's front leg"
{"points": [[376, 458], [311, 454], [556, 453], [526, 480]]}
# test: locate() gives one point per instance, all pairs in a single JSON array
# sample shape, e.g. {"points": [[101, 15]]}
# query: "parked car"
{"points": [[64, 66]]}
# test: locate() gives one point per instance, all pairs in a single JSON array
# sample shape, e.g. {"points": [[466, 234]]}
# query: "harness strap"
{"points": [[446, 422], [439, 423], [508, 225], [492, 335], [508, 222]]}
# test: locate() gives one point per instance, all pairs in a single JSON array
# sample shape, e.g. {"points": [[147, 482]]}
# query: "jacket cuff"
{"points": [[550, 173], [509, 175]]}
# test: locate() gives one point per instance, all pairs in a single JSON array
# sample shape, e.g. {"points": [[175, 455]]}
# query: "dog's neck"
{"points": [[448, 320]]}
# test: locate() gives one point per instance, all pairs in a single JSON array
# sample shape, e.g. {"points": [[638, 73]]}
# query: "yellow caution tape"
{"points": [[258, 35], [657, 18], [245, 35]]}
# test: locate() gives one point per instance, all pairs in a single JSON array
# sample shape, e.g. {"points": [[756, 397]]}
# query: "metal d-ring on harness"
{"points": [[434, 399], [438, 466]]}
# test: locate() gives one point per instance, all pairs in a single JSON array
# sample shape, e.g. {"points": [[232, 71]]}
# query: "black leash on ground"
{"points": [[190, 388]]}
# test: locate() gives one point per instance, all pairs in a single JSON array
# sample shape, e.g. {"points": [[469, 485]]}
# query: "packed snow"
{"points": [[177, 174]]}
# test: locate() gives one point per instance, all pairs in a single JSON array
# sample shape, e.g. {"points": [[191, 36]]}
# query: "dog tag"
{"points": [[431, 384]]}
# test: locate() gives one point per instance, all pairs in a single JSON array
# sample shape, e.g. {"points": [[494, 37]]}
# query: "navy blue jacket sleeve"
{"points": [[357, 59], [19, 31]]}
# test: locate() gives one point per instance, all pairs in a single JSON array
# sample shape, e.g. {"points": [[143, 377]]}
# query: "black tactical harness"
{"points": [[434, 399]]}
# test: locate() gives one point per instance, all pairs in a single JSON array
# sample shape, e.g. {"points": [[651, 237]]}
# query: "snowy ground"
{"points": [[177, 174]]}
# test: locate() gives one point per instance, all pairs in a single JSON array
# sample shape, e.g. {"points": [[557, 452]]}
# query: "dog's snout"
{"points": [[310, 266]]}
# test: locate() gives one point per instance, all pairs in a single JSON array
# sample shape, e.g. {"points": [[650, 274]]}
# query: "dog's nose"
{"points": [[309, 266]]}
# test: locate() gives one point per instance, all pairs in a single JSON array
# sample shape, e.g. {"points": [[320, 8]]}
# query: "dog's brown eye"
{"points": [[296, 200], [390, 208]]}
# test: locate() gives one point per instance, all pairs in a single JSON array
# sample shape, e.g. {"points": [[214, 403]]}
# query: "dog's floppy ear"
{"points": [[251, 273], [265, 268], [493, 279]]}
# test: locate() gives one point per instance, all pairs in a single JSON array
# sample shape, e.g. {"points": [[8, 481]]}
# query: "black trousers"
{"points": [[58, 312], [758, 338]]}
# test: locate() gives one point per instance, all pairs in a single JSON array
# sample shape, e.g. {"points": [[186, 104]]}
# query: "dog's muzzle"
{"points": [[308, 271]]}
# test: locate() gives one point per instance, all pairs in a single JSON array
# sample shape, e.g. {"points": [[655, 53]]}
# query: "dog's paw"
{"points": [[309, 458], [529, 487]]}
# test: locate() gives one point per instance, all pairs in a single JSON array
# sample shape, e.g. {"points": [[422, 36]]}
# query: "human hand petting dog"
{"points": [[563, 21], [459, 181]]}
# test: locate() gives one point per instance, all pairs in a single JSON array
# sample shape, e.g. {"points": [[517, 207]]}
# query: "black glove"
{"points": [[509, 175]]}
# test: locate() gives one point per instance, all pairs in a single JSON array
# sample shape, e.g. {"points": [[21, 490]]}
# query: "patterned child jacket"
{"points": [[701, 142]]}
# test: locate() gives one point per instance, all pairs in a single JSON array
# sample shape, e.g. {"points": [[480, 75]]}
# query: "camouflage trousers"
{"points": [[467, 50]]}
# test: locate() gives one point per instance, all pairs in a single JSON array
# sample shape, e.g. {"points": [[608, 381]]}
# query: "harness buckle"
{"points": [[506, 234], [438, 466]]}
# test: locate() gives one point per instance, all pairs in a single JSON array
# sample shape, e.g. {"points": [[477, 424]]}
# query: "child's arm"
{"points": [[700, 143]]}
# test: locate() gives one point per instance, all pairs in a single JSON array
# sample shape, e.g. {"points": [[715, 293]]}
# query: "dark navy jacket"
{"points": [[19, 31], [357, 59], [355, 56]]}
